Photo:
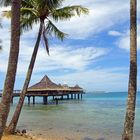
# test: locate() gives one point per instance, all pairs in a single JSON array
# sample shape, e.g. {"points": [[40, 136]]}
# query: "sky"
{"points": [[95, 54]]}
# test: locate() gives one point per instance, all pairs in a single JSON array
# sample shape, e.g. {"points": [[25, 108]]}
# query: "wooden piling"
{"points": [[56, 101], [28, 100], [62, 97], [53, 97], [81, 95], [74, 96], [33, 100], [71, 96], [78, 96], [45, 100], [68, 96]]}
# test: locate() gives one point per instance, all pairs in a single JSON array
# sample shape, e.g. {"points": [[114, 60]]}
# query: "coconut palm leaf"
{"points": [[27, 23], [68, 12], [7, 14], [51, 29], [28, 11], [46, 42]]}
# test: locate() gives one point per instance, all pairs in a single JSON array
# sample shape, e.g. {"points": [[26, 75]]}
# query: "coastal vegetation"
{"points": [[132, 88]]}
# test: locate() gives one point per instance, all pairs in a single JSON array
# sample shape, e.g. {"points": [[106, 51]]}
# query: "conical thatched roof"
{"points": [[45, 83]]}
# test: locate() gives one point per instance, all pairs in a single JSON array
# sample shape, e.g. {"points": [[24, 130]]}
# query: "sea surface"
{"points": [[98, 116]]}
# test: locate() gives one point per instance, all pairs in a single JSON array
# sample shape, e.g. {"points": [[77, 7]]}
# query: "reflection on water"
{"points": [[96, 117]]}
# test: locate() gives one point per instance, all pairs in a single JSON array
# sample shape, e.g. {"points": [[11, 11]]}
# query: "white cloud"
{"points": [[114, 33], [65, 57], [111, 79], [103, 15], [124, 40], [61, 57]]}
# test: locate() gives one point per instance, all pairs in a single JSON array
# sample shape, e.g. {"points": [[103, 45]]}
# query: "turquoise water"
{"points": [[98, 116]]}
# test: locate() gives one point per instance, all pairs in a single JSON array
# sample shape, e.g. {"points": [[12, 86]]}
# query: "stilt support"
{"points": [[71, 96], [33, 100], [45, 100], [68, 96], [53, 97], [28, 100], [62, 97], [78, 96], [81, 95], [56, 101], [74, 96]]}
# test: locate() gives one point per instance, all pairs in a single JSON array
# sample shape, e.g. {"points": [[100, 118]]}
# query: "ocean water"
{"points": [[98, 116]]}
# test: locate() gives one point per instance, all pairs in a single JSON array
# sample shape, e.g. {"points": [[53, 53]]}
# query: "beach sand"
{"points": [[15, 137]]}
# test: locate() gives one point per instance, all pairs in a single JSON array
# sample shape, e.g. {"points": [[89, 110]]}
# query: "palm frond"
{"points": [[52, 29], [28, 18], [28, 11], [7, 14], [27, 23], [49, 4], [5, 3], [27, 3], [46, 42], [68, 12]]}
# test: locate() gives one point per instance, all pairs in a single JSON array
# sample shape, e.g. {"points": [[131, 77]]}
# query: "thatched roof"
{"points": [[46, 84], [77, 87]]}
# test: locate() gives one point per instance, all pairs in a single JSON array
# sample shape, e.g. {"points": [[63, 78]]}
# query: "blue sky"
{"points": [[95, 55]]}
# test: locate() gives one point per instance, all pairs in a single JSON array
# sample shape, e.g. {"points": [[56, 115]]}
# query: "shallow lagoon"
{"points": [[99, 116]]}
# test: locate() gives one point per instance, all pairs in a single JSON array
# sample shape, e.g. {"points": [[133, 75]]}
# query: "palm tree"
{"points": [[36, 11], [132, 89], [12, 64]]}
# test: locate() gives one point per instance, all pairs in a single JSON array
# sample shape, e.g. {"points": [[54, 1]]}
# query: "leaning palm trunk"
{"points": [[130, 112], [12, 65], [12, 126]]}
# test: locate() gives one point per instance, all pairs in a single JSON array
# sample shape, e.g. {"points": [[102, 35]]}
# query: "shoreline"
{"points": [[60, 136], [17, 137]]}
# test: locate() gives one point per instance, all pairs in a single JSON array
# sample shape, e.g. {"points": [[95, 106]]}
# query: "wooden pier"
{"points": [[46, 88]]}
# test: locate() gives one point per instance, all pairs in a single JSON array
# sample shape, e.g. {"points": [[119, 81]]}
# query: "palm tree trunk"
{"points": [[132, 89], [12, 126], [12, 65]]}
